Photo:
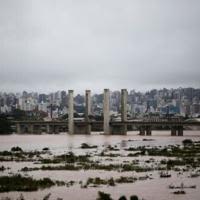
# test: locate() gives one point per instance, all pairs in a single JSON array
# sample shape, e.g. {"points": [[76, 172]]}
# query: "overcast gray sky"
{"points": [[48, 45]]}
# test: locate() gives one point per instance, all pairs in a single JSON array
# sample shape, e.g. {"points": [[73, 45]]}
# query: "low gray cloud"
{"points": [[136, 44]]}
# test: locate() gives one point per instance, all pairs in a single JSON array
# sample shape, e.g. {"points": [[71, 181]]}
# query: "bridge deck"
{"points": [[114, 123]]}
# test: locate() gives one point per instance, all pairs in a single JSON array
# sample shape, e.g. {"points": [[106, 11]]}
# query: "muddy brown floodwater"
{"points": [[150, 189]]}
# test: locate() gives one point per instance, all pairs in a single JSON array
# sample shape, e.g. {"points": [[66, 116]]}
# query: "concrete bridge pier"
{"points": [[141, 130], [37, 129], [81, 129], [24, 128], [148, 130], [145, 130], [51, 129], [180, 131], [117, 130], [173, 131], [106, 112], [56, 129], [177, 131], [31, 128]]}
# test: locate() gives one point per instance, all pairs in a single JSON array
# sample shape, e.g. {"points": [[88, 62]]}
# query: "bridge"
{"points": [[109, 127], [81, 127]]}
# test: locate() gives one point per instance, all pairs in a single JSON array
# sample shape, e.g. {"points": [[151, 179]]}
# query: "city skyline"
{"points": [[181, 101], [49, 46]]}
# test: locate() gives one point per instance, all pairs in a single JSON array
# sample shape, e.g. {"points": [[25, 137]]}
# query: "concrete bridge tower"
{"points": [[124, 96], [71, 112], [106, 111]]}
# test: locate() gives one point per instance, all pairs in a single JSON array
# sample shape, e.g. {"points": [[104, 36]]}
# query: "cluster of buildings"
{"points": [[180, 102]]}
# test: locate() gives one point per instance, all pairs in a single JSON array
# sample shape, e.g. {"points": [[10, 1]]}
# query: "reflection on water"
{"points": [[156, 189], [65, 142]]}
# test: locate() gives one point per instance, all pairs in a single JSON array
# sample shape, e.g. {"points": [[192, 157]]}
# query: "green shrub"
{"points": [[103, 196], [134, 197], [122, 198]]}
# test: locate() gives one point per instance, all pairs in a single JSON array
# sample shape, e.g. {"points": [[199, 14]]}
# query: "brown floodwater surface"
{"points": [[150, 189]]}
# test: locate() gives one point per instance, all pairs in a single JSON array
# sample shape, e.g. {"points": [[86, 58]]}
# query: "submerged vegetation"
{"points": [[20, 183], [106, 196], [100, 196], [175, 156], [141, 159], [87, 146], [50, 168], [97, 181]]}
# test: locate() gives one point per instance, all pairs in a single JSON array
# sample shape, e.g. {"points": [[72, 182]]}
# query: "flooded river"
{"points": [[148, 189]]}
